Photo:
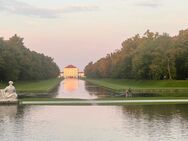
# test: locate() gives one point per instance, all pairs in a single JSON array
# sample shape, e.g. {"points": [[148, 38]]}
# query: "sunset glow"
{"points": [[78, 31]]}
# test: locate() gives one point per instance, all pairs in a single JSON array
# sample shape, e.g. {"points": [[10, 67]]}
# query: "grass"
{"points": [[143, 86], [43, 86], [144, 98]]}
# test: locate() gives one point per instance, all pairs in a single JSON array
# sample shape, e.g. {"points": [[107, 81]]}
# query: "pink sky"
{"points": [[77, 32]]}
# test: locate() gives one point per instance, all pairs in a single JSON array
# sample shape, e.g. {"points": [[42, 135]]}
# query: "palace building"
{"points": [[71, 71]]}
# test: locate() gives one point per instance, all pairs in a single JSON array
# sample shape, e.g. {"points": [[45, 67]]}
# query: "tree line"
{"points": [[19, 63], [151, 56]]}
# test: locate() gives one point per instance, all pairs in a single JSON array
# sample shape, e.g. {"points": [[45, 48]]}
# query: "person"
{"points": [[129, 92], [10, 91], [126, 93]]}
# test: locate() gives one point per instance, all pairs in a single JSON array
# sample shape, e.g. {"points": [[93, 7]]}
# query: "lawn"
{"points": [[42, 86], [143, 86]]}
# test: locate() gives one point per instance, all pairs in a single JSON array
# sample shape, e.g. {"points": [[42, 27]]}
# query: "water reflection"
{"points": [[8, 112], [70, 85], [157, 112], [83, 123], [96, 90], [75, 88], [159, 122]]}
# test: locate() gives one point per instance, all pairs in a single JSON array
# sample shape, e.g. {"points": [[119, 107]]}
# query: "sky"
{"points": [[79, 31]]}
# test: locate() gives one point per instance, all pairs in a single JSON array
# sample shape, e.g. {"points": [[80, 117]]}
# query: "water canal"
{"points": [[80, 89], [92, 123]]}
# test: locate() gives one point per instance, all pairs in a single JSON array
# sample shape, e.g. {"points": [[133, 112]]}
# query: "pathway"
{"points": [[101, 102]]}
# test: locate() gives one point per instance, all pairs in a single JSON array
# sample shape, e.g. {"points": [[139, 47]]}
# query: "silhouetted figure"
{"points": [[128, 92]]}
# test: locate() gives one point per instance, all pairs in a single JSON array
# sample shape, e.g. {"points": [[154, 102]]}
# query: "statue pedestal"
{"points": [[8, 101]]}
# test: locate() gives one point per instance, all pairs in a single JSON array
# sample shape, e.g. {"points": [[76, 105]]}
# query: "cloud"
{"points": [[22, 8], [150, 3]]}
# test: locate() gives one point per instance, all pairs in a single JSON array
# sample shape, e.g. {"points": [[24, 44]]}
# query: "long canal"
{"points": [[92, 123]]}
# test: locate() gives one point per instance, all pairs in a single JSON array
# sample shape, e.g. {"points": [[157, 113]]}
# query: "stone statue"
{"points": [[9, 92]]}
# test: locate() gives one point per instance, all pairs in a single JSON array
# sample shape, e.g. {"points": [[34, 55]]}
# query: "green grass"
{"points": [[143, 98], [43, 86], [143, 86]]}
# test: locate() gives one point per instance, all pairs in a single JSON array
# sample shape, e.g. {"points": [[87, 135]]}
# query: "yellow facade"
{"points": [[70, 72]]}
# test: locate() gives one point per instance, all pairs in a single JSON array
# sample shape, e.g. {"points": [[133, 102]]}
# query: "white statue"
{"points": [[10, 91]]}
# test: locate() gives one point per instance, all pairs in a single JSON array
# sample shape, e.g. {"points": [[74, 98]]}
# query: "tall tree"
{"points": [[152, 56]]}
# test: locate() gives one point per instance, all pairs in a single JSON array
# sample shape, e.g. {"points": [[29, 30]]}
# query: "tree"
{"points": [[151, 56], [19, 63]]}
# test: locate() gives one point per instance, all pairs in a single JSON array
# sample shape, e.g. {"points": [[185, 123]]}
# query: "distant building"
{"points": [[61, 74], [81, 74], [70, 71]]}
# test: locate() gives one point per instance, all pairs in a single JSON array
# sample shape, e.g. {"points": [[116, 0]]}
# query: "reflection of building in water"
{"points": [[71, 71], [70, 84]]}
